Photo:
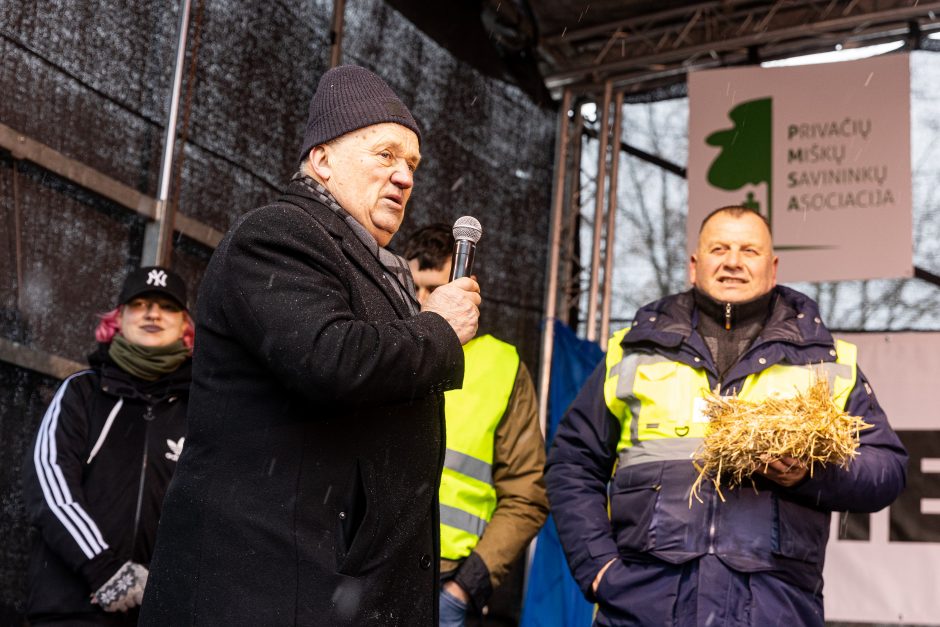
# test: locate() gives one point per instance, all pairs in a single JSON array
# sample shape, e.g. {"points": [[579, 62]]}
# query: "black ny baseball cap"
{"points": [[154, 280]]}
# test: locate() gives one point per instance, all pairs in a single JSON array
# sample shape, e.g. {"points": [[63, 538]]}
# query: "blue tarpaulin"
{"points": [[553, 599]]}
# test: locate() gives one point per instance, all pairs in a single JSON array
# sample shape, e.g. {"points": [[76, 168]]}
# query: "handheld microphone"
{"points": [[467, 232]]}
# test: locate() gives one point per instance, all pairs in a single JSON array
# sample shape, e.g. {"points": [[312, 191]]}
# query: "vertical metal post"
{"points": [[18, 234], [336, 32], [598, 213], [551, 289], [609, 239], [572, 303], [160, 231]]}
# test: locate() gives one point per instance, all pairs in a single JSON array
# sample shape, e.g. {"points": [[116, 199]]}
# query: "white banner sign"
{"points": [[821, 151], [885, 567]]}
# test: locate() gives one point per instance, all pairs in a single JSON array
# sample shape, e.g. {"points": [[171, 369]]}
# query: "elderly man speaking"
{"points": [[306, 493]]}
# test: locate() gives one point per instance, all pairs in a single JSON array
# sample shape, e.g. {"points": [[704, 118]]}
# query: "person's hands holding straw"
{"points": [[785, 471]]}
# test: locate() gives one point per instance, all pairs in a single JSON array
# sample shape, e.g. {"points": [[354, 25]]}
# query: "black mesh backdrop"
{"points": [[253, 66], [92, 81], [23, 398], [75, 250]]}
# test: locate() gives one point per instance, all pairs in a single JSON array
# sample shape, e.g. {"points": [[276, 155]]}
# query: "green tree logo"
{"points": [[745, 153]]}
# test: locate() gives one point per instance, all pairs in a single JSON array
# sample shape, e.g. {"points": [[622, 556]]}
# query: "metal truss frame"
{"points": [[634, 52]]}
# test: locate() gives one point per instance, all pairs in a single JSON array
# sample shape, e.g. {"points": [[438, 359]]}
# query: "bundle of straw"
{"points": [[744, 437]]}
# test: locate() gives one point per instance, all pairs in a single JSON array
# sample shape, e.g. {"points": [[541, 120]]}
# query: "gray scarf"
{"points": [[396, 266]]}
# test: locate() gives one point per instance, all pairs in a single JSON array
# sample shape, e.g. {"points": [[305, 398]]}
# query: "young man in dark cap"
{"points": [[307, 492], [492, 494]]}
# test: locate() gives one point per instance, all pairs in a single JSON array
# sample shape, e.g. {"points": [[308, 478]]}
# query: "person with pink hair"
{"points": [[103, 457]]}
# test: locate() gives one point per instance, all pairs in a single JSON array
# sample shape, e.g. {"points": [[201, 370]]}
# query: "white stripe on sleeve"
{"points": [[54, 487], [106, 429]]}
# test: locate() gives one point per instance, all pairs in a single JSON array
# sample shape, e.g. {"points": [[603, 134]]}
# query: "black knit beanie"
{"points": [[348, 98]]}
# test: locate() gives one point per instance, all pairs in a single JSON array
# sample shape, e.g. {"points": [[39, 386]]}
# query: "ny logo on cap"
{"points": [[157, 278]]}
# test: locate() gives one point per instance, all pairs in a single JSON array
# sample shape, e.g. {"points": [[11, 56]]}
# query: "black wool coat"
{"points": [[307, 491]]}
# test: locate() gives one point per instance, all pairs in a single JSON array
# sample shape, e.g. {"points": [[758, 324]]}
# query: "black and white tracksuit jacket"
{"points": [[95, 479]]}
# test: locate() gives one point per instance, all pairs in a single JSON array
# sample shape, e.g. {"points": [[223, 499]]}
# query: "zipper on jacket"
{"points": [[148, 417], [727, 316], [712, 506]]}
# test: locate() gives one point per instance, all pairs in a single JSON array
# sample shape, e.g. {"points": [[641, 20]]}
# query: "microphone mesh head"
{"points": [[469, 228]]}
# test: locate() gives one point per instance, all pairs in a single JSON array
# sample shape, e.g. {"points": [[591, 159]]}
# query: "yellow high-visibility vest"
{"points": [[659, 402], [467, 495]]}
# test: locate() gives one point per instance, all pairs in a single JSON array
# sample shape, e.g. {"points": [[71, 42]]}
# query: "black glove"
{"points": [[124, 590]]}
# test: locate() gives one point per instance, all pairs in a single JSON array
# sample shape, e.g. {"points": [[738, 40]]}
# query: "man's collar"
{"points": [[321, 193], [731, 315], [396, 266], [794, 318]]}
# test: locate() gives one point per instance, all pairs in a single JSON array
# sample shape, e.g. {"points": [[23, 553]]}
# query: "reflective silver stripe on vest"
{"points": [[833, 370], [625, 369], [459, 519], [667, 449], [468, 466]]}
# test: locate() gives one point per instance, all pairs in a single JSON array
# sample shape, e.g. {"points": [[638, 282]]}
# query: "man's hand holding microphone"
{"points": [[458, 302]]}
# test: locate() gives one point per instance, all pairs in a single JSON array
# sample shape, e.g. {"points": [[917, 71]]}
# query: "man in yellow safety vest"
{"points": [[633, 542], [492, 494]]}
